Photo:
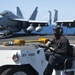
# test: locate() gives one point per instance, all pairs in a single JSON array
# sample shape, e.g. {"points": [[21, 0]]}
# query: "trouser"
{"points": [[53, 58]]}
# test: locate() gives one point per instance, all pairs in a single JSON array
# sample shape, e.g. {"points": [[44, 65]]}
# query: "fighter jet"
{"points": [[67, 23], [11, 23]]}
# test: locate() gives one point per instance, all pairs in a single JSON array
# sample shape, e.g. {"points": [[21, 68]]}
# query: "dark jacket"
{"points": [[61, 45]]}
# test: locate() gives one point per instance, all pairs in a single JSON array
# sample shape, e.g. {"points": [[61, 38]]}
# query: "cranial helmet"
{"points": [[58, 30]]}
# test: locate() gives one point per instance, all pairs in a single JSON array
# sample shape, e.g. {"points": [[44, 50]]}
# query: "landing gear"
{"points": [[7, 34]]}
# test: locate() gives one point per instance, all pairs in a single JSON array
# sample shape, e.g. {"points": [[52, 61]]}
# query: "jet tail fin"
{"points": [[50, 18], [19, 13], [56, 15], [34, 14]]}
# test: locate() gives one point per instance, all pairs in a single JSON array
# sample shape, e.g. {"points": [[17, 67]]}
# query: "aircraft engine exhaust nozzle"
{"points": [[38, 29], [30, 28]]}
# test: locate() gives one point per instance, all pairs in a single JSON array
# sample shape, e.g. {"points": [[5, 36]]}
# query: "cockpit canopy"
{"points": [[5, 13]]}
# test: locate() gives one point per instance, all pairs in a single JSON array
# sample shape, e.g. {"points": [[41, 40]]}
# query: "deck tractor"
{"points": [[25, 57]]}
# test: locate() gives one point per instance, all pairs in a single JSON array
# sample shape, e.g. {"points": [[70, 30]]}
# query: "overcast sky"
{"points": [[66, 8]]}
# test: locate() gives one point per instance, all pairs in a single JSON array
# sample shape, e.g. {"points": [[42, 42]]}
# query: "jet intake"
{"points": [[38, 29], [30, 28]]}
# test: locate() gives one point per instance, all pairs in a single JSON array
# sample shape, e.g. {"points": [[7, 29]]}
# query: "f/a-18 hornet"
{"points": [[11, 23]]}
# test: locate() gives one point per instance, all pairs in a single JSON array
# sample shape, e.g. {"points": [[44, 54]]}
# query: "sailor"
{"points": [[59, 47]]}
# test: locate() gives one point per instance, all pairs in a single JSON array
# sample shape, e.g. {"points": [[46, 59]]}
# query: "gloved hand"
{"points": [[52, 49], [48, 43]]}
